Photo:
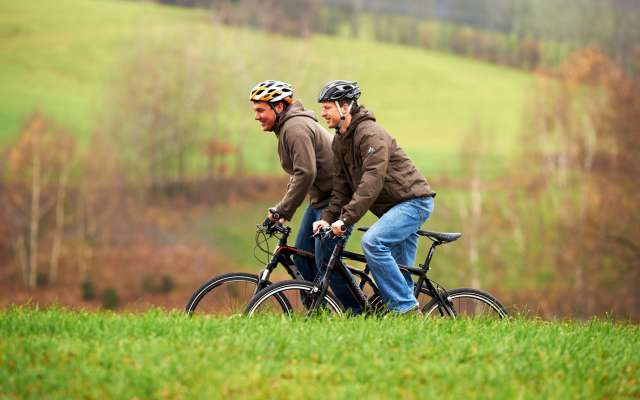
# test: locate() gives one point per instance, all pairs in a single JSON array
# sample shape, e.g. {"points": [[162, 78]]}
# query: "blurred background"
{"points": [[131, 169]]}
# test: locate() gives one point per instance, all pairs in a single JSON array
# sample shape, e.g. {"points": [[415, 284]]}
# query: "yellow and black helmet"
{"points": [[272, 92]]}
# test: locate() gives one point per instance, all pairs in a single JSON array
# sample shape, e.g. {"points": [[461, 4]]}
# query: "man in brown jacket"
{"points": [[373, 173], [304, 149]]}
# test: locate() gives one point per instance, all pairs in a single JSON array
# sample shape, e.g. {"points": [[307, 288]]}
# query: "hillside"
{"points": [[65, 58]]}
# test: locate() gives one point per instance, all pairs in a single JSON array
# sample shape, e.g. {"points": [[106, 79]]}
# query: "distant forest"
{"points": [[520, 33]]}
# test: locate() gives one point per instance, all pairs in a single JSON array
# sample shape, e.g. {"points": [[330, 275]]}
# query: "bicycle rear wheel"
{"points": [[293, 298], [467, 303], [226, 294]]}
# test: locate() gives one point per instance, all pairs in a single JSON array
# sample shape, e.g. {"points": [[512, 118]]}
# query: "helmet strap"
{"points": [[342, 115], [278, 114]]}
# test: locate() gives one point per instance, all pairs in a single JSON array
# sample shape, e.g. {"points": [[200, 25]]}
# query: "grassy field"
{"points": [[64, 59], [60, 354]]}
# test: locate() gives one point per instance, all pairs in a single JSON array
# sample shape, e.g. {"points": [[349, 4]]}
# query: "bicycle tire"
{"points": [[219, 289], [294, 292], [465, 303]]}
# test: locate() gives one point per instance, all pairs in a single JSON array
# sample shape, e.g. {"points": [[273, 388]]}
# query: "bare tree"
{"points": [[471, 210], [156, 118], [33, 169], [64, 154]]}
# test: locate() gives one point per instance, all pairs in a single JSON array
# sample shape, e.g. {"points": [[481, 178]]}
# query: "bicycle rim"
{"points": [[467, 303], [224, 295]]}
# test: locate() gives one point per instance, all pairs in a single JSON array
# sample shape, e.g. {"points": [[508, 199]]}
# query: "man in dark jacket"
{"points": [[304, 149], [371, 172]]}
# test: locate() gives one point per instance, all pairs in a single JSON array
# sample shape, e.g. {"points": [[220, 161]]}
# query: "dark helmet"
{"points": [[339, 90]]}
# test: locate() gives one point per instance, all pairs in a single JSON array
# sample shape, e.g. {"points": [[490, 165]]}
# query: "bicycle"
{"points": [[229, 293], [307, 298]]}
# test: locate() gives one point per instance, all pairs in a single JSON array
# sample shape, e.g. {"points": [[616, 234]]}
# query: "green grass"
{"points": [[61, 354], [64, 58]]}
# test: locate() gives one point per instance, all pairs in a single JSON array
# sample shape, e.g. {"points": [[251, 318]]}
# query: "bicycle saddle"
{"points": [[442, 237]]}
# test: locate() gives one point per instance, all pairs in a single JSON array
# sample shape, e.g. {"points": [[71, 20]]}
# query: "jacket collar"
{"points": [[294, 110]]}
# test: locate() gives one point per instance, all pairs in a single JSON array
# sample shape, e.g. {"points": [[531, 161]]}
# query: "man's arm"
{"points": [[374, 149], [300, 147]]}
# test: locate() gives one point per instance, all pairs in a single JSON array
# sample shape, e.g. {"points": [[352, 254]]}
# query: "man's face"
{"points": [[330, 114], [265, 115]]}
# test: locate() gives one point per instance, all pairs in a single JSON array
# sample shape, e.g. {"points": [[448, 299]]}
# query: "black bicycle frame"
{"points": [[336, 265], [283, 253]]}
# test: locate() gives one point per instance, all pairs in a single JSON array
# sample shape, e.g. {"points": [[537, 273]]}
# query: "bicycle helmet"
{"points": [[340, 90], [272, 92]]}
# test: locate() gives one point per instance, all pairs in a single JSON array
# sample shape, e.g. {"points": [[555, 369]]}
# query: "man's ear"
{"points": [[279, 108], [345, 108]]}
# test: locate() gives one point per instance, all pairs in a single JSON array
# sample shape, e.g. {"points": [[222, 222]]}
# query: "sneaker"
{"points": [[414, 312]]}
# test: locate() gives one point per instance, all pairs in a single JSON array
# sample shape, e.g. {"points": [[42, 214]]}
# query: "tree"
{"points": [[586, 139], [166, 93], [34, 181]]}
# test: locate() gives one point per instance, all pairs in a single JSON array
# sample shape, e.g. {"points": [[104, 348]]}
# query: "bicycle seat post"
{"points": [[427, 261]]}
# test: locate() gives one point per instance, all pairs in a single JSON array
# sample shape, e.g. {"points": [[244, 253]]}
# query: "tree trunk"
{"points": [[58, 231], [20, 248], [35, 219], [476, 214]]}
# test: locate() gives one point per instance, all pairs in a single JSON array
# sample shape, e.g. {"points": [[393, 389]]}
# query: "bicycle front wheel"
{"points": [[467, 303], [226, 294], [293, 298]]}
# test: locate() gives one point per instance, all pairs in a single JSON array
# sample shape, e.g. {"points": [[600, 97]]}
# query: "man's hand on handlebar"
{"points": [[338, 228], [318, 225], [274, 216]]}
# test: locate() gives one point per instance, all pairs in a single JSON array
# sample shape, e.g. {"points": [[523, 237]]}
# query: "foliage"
{"points": [[110, 298], [289, 17], [523, 33], [163, 284], [88, 290], [167, 93], [32, 181], [584, 143]]}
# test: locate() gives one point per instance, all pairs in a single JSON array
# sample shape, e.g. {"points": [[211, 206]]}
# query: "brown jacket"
{"points": [[371, 172], [304, 148]]}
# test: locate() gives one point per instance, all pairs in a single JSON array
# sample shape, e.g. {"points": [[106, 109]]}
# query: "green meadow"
{"points": [[58, 354], [65, 58]]}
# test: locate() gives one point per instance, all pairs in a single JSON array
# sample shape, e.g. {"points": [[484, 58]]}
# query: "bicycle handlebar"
{"points": [[275, 214], [325, 232], [272, 227]]}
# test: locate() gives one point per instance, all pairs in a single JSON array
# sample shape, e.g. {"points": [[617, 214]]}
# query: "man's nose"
{"points": [[256, 116]]}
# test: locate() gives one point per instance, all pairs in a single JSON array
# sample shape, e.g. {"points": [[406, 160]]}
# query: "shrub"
{"points": [[88, 290], [110, 299]]}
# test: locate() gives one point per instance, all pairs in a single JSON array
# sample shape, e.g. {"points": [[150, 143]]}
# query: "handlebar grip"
{"points": [[274, 213]]}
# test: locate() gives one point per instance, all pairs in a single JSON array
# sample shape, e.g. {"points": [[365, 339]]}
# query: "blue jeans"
{"points": [[322, 249], [393, 240]]}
